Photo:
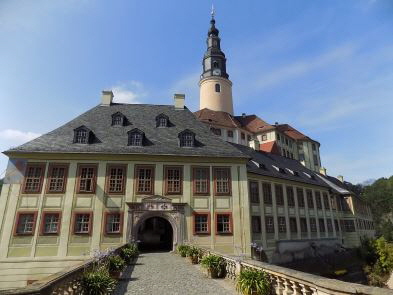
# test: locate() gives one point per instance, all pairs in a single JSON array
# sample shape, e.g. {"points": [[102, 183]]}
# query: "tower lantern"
{"points": [[215, 86]]}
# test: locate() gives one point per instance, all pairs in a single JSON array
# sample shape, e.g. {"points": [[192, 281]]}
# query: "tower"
{"points": [[215, 89]]}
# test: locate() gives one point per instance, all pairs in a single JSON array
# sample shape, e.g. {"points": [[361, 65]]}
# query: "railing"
{"points": [[67, 281], [288, 281]]}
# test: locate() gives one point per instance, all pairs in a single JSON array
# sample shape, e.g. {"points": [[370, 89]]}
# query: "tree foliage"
{"points": [[379, 196]]}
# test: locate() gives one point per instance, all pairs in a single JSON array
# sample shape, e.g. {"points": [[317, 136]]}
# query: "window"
{"points": [[81, 136], [173, 180], [218, 87], [243, 136], [118, 119], [201, 181], [267, 193], [336, 226], [50, 223], [57, 177], [230, 133], [316, 163], [254, 191], [116, 176], [282, 226], [216, 131], [329, 225], [286, 141], [33, 178], [318, 199], [349, 226], [215, 64], [135, 137], [301, 158], [290, 196], [144, 180], [322, 228], [222, 181], [314, 148], [310, 200], [256, 224], [201, 223], [224, 223], [25, 223], [162, 121], [313, 225], [249, 137], [264, 137], [293, 225], [186, 138], [278, 136], [113, 222], [303, 225], [326, 201], [300, 197], [279, 195], [82, 223], [269, 221], [87, 179]]}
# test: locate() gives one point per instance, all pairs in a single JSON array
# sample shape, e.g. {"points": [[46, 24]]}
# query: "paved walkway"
{"points": [[169, 274]]}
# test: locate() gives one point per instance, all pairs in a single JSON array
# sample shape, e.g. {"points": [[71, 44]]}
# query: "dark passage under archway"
{"points": [[155, 234]]}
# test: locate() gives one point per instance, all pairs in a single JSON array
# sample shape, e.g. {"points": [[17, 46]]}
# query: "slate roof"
{"points": [[113, 139], [268, 160]]}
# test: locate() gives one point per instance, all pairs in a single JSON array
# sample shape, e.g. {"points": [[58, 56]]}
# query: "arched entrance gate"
{"points": [[157, 223]]}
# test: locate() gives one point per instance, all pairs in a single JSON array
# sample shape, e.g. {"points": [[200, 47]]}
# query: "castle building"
{"points": [[159, 175]]}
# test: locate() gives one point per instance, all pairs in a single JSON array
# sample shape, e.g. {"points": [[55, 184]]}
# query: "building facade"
{"points": [[165, 176]]}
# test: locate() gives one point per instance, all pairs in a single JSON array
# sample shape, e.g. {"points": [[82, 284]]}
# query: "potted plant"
{"points": [[194, 254], [215, 266], [253, 282], [129, 253], [116, 265], [97, 282], [183, 250]]}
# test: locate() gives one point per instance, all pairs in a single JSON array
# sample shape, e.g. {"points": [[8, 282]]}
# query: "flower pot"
{"points": [[194, 259], [212, 273]]}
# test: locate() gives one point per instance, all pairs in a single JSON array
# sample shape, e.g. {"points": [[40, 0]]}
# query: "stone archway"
{"points": [[157, 207], [155, 234]]}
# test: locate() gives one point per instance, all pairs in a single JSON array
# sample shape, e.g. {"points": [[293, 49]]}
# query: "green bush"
{"points": [[385, 254], [97, 282], [194, 252], [183, 250], [253, 282], [129, 252], [214, 264], [116, 263]]}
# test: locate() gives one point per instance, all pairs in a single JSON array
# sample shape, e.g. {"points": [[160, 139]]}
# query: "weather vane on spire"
{"points": [[213, 12]]}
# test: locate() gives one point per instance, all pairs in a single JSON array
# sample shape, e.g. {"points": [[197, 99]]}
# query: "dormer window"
{"points": [[187, 138], [162, 121], [82, 135], [135, 137], [118, 119]]}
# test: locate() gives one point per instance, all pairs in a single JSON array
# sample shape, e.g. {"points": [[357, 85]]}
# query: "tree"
{"points": [[379, 196]]}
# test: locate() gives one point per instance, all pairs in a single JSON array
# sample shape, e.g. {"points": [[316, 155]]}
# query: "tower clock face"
{"points": [[216, 72]]}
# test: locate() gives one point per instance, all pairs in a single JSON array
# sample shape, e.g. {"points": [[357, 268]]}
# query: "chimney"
{"points": [[179, 101], [254, 144], [341, 178], [323, 171], [106, 97]]}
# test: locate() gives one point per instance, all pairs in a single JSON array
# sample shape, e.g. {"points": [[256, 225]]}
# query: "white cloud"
{"points": [[129, 92], [302, 67], [17, 136]]}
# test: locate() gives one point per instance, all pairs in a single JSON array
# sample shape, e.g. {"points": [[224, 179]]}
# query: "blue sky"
{"points": [[325, 67]]}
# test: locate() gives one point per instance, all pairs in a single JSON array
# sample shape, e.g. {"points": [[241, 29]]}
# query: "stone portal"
{"points": [[157, 223]]}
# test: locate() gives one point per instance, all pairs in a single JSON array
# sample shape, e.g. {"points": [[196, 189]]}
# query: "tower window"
{"points": [[215, 64], [218, 87]]}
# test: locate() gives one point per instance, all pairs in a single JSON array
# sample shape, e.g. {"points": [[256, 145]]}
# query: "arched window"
{"points": [[218, 87], [187, 138], [215, 64], [135, 137]]}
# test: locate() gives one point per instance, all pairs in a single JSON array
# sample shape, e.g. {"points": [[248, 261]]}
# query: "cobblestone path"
{"points": [[169, 274]]}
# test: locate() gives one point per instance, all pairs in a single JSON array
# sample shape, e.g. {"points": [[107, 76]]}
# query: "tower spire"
{"points": [[213, 12]]}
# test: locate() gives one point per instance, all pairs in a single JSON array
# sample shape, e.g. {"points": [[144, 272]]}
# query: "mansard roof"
{"points": [[163, 141], [277, 166]]}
